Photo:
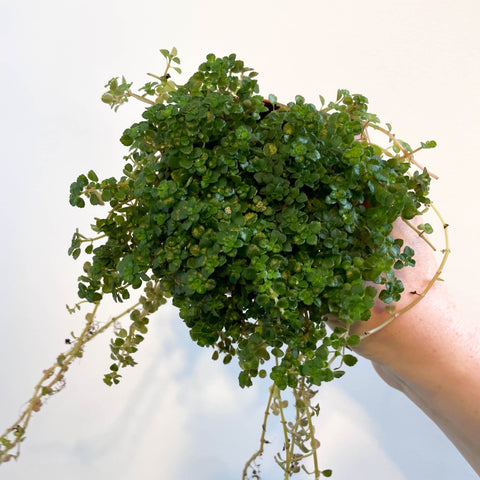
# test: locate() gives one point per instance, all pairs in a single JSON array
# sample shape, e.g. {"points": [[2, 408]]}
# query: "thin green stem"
{"points": [[408, 155], [85, 239], [283, 421], [311, 430], [139, 97], [293, 431], [107, 325], [420, 234], [260, 450], [42, 389]]}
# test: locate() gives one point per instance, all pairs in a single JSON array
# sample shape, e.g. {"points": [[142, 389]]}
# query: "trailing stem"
{"points": [[299, 442], [314, 443], [259, 452], [52, 382], [406, 153]]}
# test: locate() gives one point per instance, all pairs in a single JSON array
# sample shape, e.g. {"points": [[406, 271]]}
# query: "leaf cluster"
{"points": [[259, 220]]}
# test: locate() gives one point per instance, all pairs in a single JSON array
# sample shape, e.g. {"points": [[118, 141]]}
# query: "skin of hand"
{"points": [[431, 352]]}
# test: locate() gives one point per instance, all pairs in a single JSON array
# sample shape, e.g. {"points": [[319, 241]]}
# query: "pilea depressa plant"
{"points": [[260, 221]]}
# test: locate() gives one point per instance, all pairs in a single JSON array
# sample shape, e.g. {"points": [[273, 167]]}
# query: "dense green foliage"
{"points": [[258, 219], [261, 221]]}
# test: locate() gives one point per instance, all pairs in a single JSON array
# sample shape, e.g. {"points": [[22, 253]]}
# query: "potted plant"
{"points": [[260, 221]]}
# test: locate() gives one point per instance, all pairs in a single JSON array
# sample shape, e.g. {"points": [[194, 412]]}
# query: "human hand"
{"points": [[431, 352]]}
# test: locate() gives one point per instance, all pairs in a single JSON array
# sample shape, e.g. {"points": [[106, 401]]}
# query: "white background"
{"points": [[177, 415]]}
